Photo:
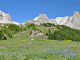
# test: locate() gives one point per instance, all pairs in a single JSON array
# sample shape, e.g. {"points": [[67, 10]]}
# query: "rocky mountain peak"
{"points": [[76, 14], [42, 18], [9, 17], [73, 21], [43, 15], [5, 18]]}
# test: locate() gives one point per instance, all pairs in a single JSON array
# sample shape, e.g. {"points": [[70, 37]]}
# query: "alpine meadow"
{"points": [[39, 30]]}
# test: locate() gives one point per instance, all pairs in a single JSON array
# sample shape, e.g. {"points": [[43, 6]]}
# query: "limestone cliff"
{"points": [[5, 18]]}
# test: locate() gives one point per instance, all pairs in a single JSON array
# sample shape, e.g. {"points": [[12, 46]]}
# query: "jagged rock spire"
{"points": [[5, 18], [76, 13]]}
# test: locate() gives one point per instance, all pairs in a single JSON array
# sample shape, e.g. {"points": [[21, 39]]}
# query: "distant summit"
{"points": [[6, 18], [42, 18], [73, 21]]}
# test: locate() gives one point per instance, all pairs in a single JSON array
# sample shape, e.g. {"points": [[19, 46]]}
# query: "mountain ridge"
{"points": [[72, 21]]}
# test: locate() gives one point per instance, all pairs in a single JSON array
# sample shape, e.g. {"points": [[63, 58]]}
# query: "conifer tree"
{"points": [[1, 34]]}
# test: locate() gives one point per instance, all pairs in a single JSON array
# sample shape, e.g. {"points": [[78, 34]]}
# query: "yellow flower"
{"points": [[67, 40], [23, 40], [48, 40], [54, 55], [17, 51]]}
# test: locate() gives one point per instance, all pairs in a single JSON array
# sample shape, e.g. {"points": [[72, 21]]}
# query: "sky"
{"points": [[24, 10]]}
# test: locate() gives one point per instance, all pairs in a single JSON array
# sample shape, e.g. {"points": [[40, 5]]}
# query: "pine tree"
{"points": [[49, 31], [1, 34]]}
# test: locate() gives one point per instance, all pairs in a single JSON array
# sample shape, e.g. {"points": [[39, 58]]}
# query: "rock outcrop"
{"points": [[36, 33]]}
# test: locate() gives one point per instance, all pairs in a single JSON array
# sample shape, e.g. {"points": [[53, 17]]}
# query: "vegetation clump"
{"points": [[65, 33], [8, 30], [1, 34], [47, 24]]}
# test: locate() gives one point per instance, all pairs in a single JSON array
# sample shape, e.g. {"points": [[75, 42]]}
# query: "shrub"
{"points": [[31, 25], [9, 34], [47, 24], [46, 34], [24, 29], [49, 31], [4, 38], [30, 32], [57, 26], [34, 28], [14, 32]]}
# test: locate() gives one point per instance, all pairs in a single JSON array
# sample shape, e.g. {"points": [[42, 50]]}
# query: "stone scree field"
{"points": [[21, 47]]}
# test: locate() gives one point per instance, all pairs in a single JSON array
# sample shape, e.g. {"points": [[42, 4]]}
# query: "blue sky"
{"points": [[23, 10]]}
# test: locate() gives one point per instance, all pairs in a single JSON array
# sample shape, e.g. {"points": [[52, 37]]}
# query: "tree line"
{"points": [[64, 33]]}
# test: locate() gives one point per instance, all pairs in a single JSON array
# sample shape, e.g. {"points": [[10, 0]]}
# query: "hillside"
{"points": [[23, 47], [48, 30]]}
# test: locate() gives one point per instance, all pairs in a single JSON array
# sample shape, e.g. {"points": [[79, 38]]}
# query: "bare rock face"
{"points": [[36, 33], [76, 20], [29, 21], [61, 20], [5, 18], [73, 21], [53, 21], [1, 16], [8, 17], [42, 18]]}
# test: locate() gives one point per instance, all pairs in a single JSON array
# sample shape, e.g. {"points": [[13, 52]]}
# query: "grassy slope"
{"points": [[23, 48]]}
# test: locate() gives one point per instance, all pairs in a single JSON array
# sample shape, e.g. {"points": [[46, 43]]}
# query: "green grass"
{"points": [[23, 48]]}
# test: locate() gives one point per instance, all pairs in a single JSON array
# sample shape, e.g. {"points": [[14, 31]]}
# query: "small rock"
{"points": [[32, 39]]}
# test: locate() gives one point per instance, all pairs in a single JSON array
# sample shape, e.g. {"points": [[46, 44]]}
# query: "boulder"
{"points": [[36, 33]]}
